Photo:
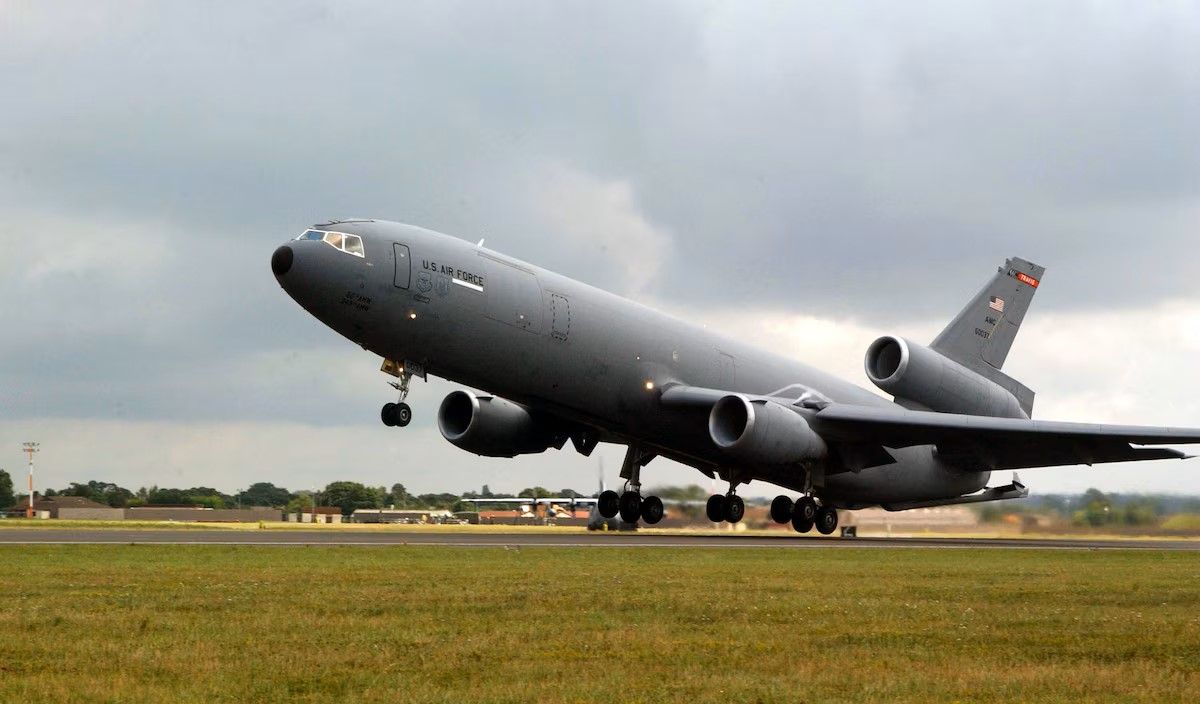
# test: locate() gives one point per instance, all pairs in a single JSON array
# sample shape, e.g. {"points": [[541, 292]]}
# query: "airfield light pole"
{"points": [[30, 449]]}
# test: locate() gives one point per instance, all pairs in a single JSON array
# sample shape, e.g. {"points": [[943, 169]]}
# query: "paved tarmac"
{"points": [[72, 536]]}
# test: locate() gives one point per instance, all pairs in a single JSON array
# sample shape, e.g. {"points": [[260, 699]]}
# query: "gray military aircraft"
{"points": [[561, 360]]}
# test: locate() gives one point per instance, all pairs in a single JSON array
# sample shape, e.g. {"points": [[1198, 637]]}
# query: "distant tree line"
{"points": [[1092, 508], [347, 496], [1096, 508]]}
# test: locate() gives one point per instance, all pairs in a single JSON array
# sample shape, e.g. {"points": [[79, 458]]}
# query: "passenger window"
{"points": [[353, 244]]}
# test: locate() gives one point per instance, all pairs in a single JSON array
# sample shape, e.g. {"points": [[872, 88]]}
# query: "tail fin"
{"points": [[981, 335]]}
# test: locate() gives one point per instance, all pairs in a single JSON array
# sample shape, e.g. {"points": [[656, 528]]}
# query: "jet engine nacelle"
{"points": [[763, 432], [915, 372], [494, 427]]}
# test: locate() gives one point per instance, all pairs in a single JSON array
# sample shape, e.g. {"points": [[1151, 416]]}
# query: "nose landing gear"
{"points": [[395, 415], [399, 414]]}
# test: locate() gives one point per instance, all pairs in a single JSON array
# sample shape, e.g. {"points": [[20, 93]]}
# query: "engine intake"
{"points": [[493, 427], [915, 372], [763, 432]]}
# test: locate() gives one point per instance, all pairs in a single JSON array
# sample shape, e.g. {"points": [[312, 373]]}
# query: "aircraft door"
{"points": [[403, 265], [560, 317], [725, 370]]}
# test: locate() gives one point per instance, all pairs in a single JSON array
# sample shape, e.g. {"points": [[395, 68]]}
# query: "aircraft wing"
{"points": [[1000, 443]]}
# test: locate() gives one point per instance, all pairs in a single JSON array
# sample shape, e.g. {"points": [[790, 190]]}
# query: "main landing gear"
{"points": [[398, 414], [630, 504], [804, 514], [725, 507]]}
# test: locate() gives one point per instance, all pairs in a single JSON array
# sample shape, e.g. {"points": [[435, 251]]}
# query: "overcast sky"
{"points": [[806, 175]]}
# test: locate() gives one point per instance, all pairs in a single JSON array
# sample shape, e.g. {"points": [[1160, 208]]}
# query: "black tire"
{"points": [[827, 520], [631, 507], [781, 509], [403, 414], [735, 508], [799, 524], [715, 508], [387, 414], [652, 510], [608, 503], [807, 508]]}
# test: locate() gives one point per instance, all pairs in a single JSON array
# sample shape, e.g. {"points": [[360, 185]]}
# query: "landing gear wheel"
{"points": [[609, 503], [652, 510], [827, 520], [387, 414], [804, 514], [799, 524], [781, 509], [631, 506], [715, 508], [735, 508], [403, 414], [806, 508]]}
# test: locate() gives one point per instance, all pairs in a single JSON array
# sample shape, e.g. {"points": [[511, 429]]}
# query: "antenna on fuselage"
{"points": [[479, 244]]}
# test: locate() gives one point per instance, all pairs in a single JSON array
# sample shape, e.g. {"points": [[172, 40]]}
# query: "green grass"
{"points": [[421, 624], [1182, 521]]}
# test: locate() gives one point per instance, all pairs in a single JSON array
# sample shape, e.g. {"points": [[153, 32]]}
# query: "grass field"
{"points": [[420, 624], [778, 532]]}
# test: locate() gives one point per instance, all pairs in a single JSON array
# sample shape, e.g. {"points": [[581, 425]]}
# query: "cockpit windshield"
{"points": [[350, 244]]}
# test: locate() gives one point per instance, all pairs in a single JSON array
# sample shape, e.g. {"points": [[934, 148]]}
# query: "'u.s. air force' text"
{"points": [[460, 274]]}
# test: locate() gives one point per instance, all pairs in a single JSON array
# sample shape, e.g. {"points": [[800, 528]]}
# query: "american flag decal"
{"points": [[996, 303]]}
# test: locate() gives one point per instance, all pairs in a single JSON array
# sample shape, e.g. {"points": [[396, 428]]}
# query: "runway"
{"points": [[299, 538]]}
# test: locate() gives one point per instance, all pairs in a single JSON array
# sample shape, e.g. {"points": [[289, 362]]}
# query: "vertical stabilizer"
{"points": [[981, 335], [985, 329]]}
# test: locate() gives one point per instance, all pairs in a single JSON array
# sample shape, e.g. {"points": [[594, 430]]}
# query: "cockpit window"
{"points": [[350, 244]]}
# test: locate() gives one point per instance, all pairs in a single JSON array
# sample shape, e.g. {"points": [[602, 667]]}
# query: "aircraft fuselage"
{"points": [[485, 320]]}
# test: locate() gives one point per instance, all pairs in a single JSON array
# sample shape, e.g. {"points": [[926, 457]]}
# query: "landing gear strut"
{"points": [[398, 414]]}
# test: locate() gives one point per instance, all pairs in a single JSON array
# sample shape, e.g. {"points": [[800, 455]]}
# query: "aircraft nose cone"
{"points": [[281, 260]]}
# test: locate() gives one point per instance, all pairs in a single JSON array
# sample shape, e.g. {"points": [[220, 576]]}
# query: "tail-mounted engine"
{"points": [[916, 373], [494, 427]]}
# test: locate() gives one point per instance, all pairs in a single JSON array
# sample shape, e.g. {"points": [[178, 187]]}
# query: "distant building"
{"points": [[75, 508], [396, 515], [322, 514], [520, 517], [941, 518]]}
